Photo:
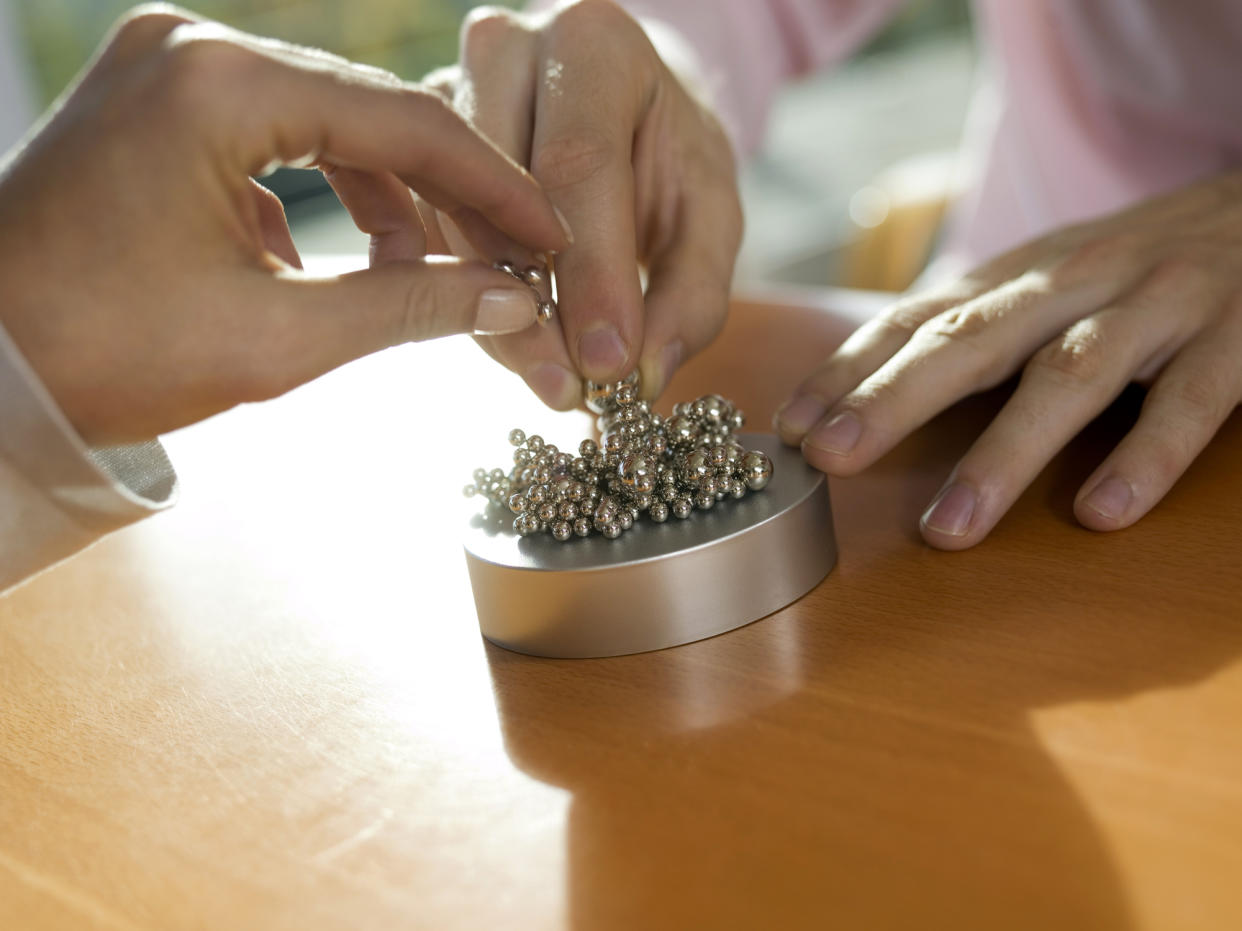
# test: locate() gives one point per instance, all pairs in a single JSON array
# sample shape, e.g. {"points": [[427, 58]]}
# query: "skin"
{"points": [[1153, 295], [642, 171], [637, 164], [150, 282]]}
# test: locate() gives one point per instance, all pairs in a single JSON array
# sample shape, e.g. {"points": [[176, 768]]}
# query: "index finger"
{"points": [[284, 105]]}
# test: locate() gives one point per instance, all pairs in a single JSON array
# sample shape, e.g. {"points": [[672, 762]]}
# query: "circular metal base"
{"points": [[658, 585]]}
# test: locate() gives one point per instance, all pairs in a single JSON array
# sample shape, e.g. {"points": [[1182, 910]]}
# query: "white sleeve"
{"points": [[57, 495]]}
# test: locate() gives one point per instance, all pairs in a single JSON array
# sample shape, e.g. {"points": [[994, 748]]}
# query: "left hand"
{"points": [[1152, 294]]}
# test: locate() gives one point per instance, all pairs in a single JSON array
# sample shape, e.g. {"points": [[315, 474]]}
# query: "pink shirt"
{"points": [[1092, 104]]}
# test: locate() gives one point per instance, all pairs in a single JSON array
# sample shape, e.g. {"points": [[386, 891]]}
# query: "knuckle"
{"points": [[1165, 457], [903, 319], [198, 65], [1174, 275], [144, 26], [1198, 401], [570, 160], [486, 29], [1087, 259], [593, 14], [421, 314], [960, 324], [1077, 356], [872, 394]]}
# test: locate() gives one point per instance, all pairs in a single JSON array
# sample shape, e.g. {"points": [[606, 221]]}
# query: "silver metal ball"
{"points": [[562, 530], [626, 394], [704, 501], [681, 507], [658, 512], [533, 275], [756, 469], [582, 527], [507, 267], [517, 437], [612, 530], [544, 311], [517, 503]]}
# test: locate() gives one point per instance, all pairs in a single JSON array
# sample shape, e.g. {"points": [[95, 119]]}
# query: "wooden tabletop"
{"points": [[271, 708]]}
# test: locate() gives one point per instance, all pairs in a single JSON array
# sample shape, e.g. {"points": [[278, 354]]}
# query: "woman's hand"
{"points": [[640, 168], [1153, 295], [150, 282]]}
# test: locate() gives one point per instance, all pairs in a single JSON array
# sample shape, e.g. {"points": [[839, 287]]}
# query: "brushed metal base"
{"points": [[658, 585]]}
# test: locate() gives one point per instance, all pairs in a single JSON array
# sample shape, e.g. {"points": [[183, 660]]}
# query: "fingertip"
{"points": [[947, 542], [555, 386], [953, 520], [827, 462], [796, 416], [603, 354], [1108, 504], [833, 440], [504, 310]]}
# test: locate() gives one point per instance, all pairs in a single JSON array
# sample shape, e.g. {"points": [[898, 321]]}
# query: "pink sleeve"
{"points": [[746, 49]]}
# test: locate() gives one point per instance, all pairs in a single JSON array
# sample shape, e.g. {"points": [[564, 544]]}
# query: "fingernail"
{"points": [[569, 234], [555, 385], [602, 352], [504, 310], [839, 435], [1110, 498], [799, 414], [952, 510]]}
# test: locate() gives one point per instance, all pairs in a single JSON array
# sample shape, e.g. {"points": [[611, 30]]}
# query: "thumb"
{"points": [[322, 323]]}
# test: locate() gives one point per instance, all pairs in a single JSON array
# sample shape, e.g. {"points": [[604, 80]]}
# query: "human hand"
{"points": [[150, 282], [642, 171], [1153, 294]]}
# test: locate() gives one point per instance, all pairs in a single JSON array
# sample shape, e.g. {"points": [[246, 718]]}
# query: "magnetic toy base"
{"points": [[657, 585]]}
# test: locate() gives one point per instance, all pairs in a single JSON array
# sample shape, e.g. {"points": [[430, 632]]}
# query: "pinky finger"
{"points": [[1184, 409]]}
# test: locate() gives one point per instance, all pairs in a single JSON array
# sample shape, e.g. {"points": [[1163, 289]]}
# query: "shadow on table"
{"points": [[865, 758]]}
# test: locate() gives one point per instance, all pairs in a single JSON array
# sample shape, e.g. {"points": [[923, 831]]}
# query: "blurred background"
{"points": [[849, 188]]}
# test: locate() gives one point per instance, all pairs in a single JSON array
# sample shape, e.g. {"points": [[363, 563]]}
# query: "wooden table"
{"points": [[270, 707]]}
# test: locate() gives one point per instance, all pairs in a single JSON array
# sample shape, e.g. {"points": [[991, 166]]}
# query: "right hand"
{"points": [[639, 166]]}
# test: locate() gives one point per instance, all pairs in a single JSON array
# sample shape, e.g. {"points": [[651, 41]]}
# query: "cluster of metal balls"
{"points": [[645, 464], [532, 276]]}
